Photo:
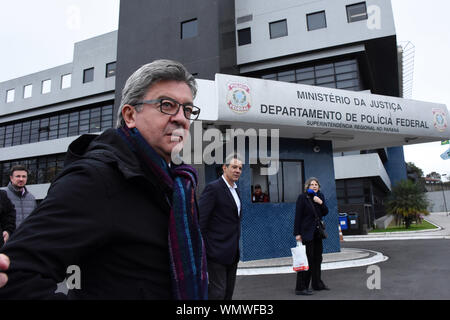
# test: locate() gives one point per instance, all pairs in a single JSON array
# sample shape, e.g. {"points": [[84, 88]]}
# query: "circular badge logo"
{"points": [[238, 97], [440, 121]]}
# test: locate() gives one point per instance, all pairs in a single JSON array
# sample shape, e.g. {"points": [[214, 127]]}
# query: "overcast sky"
{"points": [[37, 35]]}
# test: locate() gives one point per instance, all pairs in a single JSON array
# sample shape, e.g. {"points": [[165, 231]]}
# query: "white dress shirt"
{"points": [[234, 193]]}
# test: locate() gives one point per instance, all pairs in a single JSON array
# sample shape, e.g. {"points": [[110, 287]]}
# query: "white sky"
{"points": [[37, 35]]}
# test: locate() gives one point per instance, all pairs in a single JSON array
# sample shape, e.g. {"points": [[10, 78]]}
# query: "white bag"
{"points": [[299, 258]]}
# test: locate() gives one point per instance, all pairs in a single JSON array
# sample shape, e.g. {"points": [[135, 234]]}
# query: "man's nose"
{"points": [[179, 116]]}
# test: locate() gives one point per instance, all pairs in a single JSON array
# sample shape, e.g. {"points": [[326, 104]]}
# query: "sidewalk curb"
{"points": [[401, 235], [374, 257]]}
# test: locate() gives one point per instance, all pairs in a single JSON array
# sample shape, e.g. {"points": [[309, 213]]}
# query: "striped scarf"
{"points": [[186, 247]]}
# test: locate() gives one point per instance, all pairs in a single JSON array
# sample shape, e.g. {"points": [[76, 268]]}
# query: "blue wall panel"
{"points": [[267, 228]]}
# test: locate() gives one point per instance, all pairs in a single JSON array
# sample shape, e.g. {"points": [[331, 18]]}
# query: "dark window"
{"points": [[41, 169], [287, 76], [285, 185], [356, 12], [244, 36], [88, 75], [110, 69], [2, 137], [316, 20], [278, 29], [342, 75], [189, 29]]}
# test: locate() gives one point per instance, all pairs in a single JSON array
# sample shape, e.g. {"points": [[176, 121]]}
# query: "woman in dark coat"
{"points": [[305, 230]]}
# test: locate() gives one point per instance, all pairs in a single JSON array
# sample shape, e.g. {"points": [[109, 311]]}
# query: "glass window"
{"points": [[26, 127], [189, 29], [324, 72], [10, 95], [285, 185], [44, 129], [110, 69], [244, 36], [346, 68], [272, 76], [287, 76], [94, 125], [66, 81], [73, 123], [356, 12], [346, 76], [63, 125], [329, 85], [347, 83], [292, 180], [27, 91], [17, 134], [84, 121], [88, 75], [34, 132], [2, 136], [316, 20], [278, 29], [46, 86], [308, 81], [305, 75], [53, 128], [323, 80]]}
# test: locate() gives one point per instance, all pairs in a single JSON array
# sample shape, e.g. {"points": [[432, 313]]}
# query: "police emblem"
{"points": [[238, 97], [440, 121]]}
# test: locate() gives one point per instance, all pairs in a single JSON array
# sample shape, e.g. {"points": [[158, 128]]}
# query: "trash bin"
{"points": [[353, 221], [343, 222]]}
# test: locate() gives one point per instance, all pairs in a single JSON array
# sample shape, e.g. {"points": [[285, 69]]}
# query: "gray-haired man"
{"points": [[120, 211]]}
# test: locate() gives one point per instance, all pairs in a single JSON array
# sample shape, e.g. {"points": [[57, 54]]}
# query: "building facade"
{"points": [[345, 45], [42, 113]]}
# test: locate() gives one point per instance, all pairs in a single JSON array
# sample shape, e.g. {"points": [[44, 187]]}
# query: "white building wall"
{"points": [[300, 40], [95, 52]]}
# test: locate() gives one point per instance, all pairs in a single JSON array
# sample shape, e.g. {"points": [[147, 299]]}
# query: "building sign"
{"points": [[252, 100]]}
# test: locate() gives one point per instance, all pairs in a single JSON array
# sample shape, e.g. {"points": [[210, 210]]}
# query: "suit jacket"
{"points": [[305, 219], [220, 223]]}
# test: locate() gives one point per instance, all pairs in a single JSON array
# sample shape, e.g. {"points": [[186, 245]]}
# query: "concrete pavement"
{"points": [[352, 257]]}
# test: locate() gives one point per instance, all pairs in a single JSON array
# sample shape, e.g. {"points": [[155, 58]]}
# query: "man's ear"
{"points": [[129, 115]]}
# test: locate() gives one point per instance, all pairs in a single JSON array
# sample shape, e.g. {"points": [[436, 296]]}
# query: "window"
{"points": [[41, 169], [59, 125], [88, 75], [46, 86], [316, 20], [356, 12], [110, 69], [343, 75], [27, 90], [189, 29], [66, 81], [285, 185], [278, 29], [244, 36], [10, 95]]}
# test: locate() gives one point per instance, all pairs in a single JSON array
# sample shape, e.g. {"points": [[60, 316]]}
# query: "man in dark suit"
{"points": [[220, 224]]}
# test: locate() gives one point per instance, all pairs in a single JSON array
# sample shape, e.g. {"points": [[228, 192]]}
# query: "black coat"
{"points": [[7, 215], [103, 215], [305, 220], [220, 223]]}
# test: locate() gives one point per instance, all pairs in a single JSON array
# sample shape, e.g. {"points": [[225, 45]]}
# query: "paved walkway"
{"points": [[349, 257]]}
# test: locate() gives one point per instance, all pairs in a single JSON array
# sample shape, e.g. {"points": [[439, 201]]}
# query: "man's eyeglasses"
{"points": [[171, 107]]}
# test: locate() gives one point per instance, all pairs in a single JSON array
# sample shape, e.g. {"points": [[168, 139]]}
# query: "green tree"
{"points": [[407, 202]]}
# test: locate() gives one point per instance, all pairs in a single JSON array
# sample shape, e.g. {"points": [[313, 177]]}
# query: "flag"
{"points": [[446, 155], [445, 142]]}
